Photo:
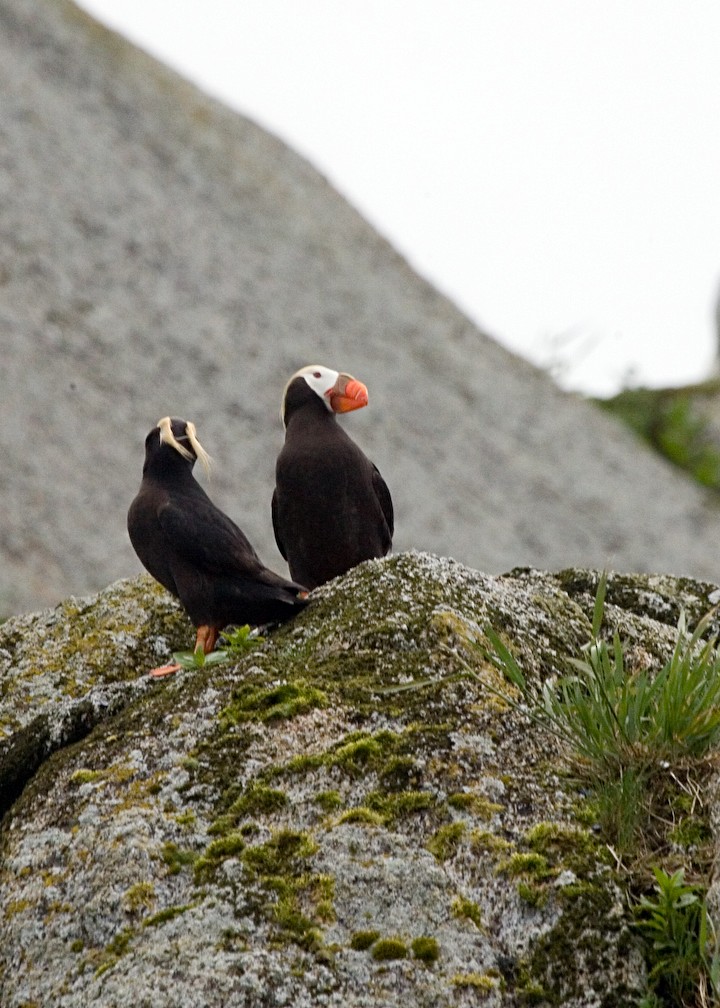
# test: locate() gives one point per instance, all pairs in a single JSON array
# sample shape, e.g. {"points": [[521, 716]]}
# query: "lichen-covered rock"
{"points": [[65, 669], [353, 815], [63, 652]]}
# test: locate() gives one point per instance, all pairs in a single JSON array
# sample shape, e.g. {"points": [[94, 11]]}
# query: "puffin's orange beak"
{"points": [[347, 394]]}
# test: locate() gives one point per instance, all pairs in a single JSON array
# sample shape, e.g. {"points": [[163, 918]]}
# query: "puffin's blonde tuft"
{"points": [[167, 437], [200, 453]]}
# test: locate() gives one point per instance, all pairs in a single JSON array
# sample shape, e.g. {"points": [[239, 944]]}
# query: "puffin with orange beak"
{"points": [[331, 508], [194, 550]]}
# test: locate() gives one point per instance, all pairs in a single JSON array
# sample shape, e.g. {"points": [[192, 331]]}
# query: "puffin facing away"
{"points": [[196, 551], [331, 508]]}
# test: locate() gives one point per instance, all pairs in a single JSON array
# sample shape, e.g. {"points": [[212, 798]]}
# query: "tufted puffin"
{"points": [[331, 508], [196, 551]]}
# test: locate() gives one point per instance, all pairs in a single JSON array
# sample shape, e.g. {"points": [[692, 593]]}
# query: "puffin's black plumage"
{"points": [[331, 508], [194, 549]]}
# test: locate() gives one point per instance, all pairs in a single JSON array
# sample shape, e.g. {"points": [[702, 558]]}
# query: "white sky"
{"points": [[551, 165]]}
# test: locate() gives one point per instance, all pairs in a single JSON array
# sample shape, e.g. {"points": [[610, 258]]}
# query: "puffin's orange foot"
{"points": [[206, 638], [164, 670], [205, 642]]}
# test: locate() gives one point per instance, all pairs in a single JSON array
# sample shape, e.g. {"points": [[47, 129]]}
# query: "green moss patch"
{"points": [[273, 703], [114, 950], [362, 751], [386, 949], [362, 815], [476, 804], [526, 864], [229, 846], [532, 893], [571, 950], [168, 914], [299, 901], [463, 907], [138, 897], [280, 853], [329, 801], [399, 773], [84, 776], [425, 949], [362, 940], [256, 800], [565, 845], [445, 842], [483, 841], [479, 982], [399, 804], [176, 858]]}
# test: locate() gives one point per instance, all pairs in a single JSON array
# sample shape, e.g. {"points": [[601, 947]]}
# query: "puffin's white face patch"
{"points": [[320, 379]]}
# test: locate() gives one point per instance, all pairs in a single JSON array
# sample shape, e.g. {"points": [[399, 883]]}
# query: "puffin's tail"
{"points": [[289, 596]]}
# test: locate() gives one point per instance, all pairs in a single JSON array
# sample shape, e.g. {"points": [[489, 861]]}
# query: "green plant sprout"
{"points": [[237, 643], [682, 946]]}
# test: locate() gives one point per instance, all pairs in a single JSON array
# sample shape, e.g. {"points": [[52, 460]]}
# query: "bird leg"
{"points": [[205, 640]]}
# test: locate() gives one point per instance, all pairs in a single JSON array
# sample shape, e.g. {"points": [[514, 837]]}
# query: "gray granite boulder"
{"points": [[349, 815], [163, 255]]}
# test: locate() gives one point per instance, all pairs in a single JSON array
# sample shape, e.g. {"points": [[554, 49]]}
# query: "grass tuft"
{"points": [[643, 743], [626, 729]]}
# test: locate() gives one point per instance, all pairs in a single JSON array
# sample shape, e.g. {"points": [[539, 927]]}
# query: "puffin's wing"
{"points": [[383, 495], [207, 538], [276, 525]]}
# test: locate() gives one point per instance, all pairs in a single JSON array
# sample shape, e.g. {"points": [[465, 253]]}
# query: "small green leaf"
{"points": [[507, 661], [198, 659], [241, 639]]}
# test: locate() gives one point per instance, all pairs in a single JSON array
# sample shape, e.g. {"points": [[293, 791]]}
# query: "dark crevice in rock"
{"points": [[22, 755]]}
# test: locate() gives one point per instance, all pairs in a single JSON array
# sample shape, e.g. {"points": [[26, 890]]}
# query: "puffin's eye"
{"points": [[316, 374]]}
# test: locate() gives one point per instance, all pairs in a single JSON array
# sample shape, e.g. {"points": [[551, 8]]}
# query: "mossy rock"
{"points": [[397, 796]]}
